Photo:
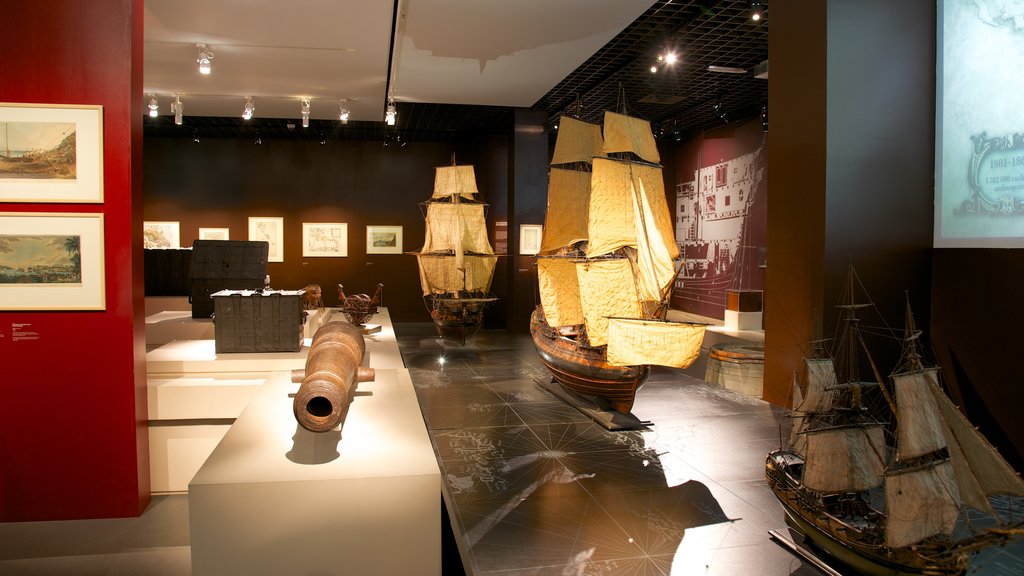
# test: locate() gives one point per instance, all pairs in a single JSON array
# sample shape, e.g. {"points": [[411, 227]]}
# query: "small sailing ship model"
{"points": [[456, 262], [607, 264], [891, 509]]}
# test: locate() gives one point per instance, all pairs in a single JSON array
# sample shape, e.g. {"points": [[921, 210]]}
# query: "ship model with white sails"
{"points": [[926, 503], [607, 263], [456, 262]]}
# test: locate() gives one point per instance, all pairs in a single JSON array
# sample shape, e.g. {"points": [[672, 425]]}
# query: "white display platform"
{"points": [[169, 325], [742, 320], [274, 498], [186, 356]]}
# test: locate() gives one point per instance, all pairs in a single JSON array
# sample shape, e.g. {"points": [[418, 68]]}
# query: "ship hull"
{"points": [[457, 319], [832, 535], [583, 370]]}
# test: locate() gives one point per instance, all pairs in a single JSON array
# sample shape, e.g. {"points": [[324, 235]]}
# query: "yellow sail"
{"points": [[627, 134], [920, 502], [612, 221], [452, 180], [633, 342], [655, 249], [451, 226], [568, 206], [848, 458], [440, 273], [577, 141], [607, 289], [559, 291]]}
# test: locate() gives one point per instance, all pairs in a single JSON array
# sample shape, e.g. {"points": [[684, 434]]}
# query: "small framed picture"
{"points": [[324, 239], [383, 239], [529, 238], [161, 235], [269, 229], [214, 233]]}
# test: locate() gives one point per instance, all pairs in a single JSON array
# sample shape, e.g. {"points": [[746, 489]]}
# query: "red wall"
{"points": [[73, 440]]}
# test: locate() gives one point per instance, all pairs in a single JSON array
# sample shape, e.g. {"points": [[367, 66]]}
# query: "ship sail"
{"points": [[920, 502], [607, 289], [577, 141], [845, 458], [568, 207], [559, 291], [821, 378], [632, 342]]}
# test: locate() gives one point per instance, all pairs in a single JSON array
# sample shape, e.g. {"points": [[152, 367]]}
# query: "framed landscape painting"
{"points": [[323, 239], [51, 153], [51, 261], [161, 235], [214, 233], [269, 229], [383, 239], [529, 238]]}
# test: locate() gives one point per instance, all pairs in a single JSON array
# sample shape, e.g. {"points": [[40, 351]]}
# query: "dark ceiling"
{"points": [[680, 101]]}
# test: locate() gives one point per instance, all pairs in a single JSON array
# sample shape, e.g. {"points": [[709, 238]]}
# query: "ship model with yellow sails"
{"points": [[926, 504], [607, 263], [456, 263]]}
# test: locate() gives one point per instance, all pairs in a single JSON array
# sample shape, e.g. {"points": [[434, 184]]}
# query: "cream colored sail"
{"points": [[979, 469], [440, 274], [607, 289], [845, 458], [568, 207], [920, 502], [452, 180], [627, 134], [559, 291], [577, 141], [919, 429], [820, 376], [451, 226], [633, 342], [655, 250], [612, 220]]}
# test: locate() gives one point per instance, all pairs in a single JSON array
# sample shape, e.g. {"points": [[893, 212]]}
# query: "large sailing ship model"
{"points": [[456, 262], [926, 503], [607, 264]]}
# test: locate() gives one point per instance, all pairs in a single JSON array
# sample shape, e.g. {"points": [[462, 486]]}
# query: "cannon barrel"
{"points": [[330, 378]]}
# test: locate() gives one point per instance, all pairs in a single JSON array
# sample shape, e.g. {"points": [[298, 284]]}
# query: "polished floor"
{"points": [[532, 486]]}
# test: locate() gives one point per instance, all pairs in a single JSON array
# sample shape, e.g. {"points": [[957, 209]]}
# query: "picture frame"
{"points": [[530, 236], [271, 230], [383, 239], [324, 239], [51, 153], [161, 235], [214, 233], [51, 261]]}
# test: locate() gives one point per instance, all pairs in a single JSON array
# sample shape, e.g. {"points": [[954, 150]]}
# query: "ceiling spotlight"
{"points": [[205, 55], [154, 106], [323, 138], [258, 139], [343, 111], [720, 112], [756, 11], [391, 116], [249, 108], [195, 135], [654, 69], [305, 112], [178, 109], [670, 58]]}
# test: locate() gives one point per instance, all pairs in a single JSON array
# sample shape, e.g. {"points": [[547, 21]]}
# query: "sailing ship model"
{"points": [[607, 264], [456, 262], [883, 509]]}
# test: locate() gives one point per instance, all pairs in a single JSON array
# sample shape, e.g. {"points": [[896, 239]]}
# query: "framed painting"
{"points": [[51, 153], [529, 238], [51, 261], [269, 229], [383, 239], [324, 239], [214, 233], [161, 235]]}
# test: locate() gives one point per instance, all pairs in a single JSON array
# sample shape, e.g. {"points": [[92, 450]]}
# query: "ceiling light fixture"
{"points": [[343, 111], [323, 138], [305, 112], [727, 69], [249, 108], [258, 139], [178, 109], [756, 11], [205, 55], [154, 106], [391, 116]]}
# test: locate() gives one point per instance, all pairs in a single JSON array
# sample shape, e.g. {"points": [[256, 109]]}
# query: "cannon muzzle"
{"points": [[330, 378]]}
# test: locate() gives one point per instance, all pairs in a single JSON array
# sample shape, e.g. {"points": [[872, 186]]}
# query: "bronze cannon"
{"points": [[358, 309], [330, 377]]}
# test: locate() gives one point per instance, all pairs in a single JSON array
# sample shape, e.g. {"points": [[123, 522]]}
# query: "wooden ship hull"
{"points": [[584, 370], [457, 318]]}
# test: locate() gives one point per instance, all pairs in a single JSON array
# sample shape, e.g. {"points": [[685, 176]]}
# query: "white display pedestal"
{"points": [[742, 320], [274, 498]]}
